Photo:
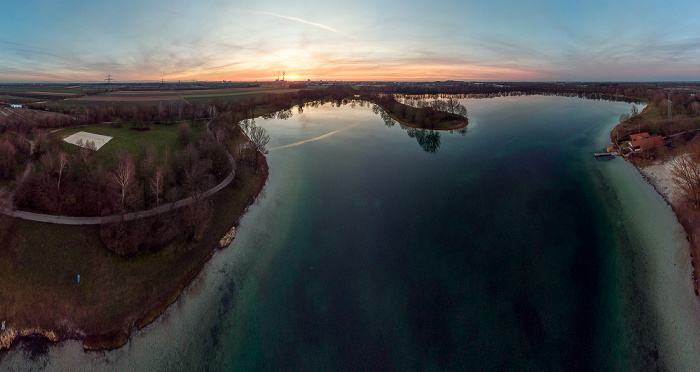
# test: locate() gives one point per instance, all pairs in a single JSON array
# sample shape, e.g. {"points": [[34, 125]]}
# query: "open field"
{"points": [[232, 93], [161, 136], [38, 92], [125, 98], [137, 97], [24, 115]]}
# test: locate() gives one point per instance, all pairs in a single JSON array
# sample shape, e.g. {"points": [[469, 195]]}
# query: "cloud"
{"points": [[303, 21]]}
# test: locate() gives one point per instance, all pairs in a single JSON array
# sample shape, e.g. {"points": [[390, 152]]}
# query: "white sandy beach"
{"points": [[665, 262], [659, 175]]}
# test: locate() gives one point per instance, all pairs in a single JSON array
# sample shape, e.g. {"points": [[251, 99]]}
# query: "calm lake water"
{"points": [[505, 247]]}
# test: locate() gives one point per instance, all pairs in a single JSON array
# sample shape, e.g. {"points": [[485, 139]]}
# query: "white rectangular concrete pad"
{"points": [[97, 139]]}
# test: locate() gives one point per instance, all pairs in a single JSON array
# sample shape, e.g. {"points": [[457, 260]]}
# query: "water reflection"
{"points": [[429, 140], [388, 121], [284, 114]]}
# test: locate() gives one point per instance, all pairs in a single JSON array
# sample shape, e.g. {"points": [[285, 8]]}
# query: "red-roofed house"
{"points": [[643, 141], [639, 136]]}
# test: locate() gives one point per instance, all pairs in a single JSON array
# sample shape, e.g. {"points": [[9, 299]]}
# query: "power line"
{"points": [[109, 91]]}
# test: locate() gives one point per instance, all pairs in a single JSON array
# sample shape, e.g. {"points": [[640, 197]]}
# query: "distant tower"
{"points": [[282, 75], [670, 116], [109, 91]]}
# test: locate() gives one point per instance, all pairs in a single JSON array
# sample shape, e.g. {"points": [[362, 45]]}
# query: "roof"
{"points": [[649, 142], [639, 136]]}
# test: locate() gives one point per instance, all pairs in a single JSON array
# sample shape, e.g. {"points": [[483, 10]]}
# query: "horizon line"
{"points": [[336, 81]]}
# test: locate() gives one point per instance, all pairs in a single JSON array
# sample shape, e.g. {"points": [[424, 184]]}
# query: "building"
{"points": [[644, 141], [15, 106]]}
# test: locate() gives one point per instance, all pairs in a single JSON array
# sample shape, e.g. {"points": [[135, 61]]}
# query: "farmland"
{"points": [[29, 93], [185, 95], [61, 96], [29, 117]]}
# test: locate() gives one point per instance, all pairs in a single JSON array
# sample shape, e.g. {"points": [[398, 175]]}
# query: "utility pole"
{"points": [[670, 115], [109, 91]]}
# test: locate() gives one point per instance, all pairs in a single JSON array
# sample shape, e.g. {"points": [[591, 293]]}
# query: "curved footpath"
{"points": [[98, 220]]}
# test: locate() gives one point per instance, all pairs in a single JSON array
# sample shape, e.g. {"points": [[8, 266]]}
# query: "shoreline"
{"points": [[114, 340], [660, 180]]}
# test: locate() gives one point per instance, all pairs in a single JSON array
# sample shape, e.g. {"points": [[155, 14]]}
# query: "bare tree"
{"points": [[6, 208], [124, 178], [195, 176], [156, 183], [7, 158], [696, 107], [61, 165], [184, 134], [259, 137], [685, 172]]}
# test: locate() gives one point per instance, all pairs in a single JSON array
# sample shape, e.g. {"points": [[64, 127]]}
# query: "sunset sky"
{"points": [[71, 40]]}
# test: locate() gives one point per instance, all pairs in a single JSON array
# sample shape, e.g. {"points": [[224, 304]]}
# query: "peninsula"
{"points": [[103, 237]]}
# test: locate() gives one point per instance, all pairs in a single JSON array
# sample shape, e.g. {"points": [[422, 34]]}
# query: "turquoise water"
{"points": [[507, 246]]}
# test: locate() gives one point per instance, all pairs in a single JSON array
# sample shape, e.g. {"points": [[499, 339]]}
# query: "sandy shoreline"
{"points": [[660, 256], [659, 176]]}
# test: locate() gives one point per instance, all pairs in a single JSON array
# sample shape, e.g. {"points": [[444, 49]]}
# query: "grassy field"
{"points": [[29, 115], [233, 94], [38, 92], [161, 136], [39, 264], [135, 97]]}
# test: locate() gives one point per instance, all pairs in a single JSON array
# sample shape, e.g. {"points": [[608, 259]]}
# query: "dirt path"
{"points": [[183, 98]]}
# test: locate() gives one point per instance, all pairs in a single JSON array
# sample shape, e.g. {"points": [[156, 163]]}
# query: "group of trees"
{"points": [[427, 115], [14, 150], [685, 116], [80, 185], [131, 237], [25, 121]]}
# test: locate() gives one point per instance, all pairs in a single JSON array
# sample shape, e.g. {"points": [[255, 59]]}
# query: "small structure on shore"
{"points": [[644, 141], [15, 106]]}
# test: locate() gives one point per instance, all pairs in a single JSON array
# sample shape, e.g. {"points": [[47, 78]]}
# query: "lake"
{"points": [[507, 246]]}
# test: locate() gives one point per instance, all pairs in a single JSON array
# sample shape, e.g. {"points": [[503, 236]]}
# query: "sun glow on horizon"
{"points": [[367, 41]]}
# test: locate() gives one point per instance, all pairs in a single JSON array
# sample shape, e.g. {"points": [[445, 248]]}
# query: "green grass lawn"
{"points": [[160, 135]]}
